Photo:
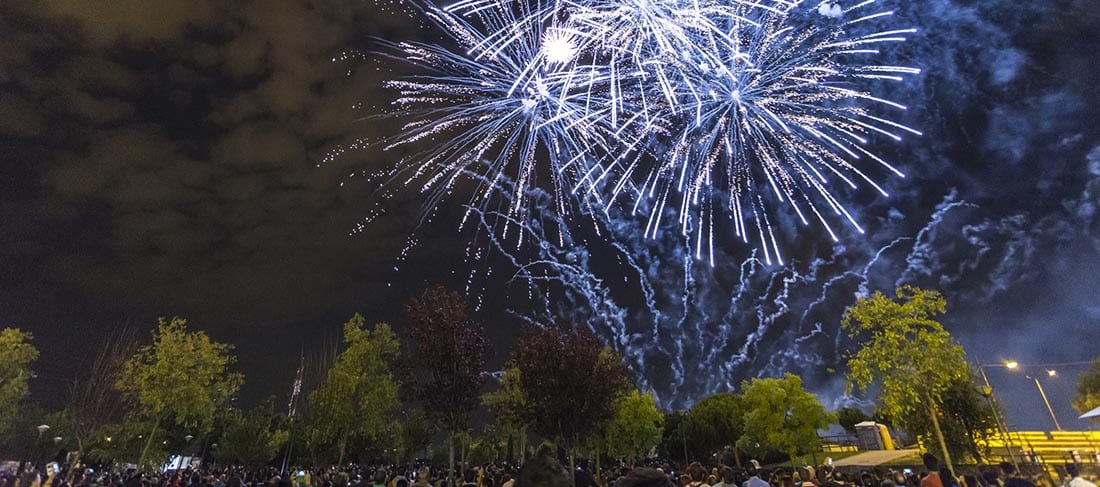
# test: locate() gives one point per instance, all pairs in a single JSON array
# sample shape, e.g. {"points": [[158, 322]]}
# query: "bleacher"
{"points": [[1049, 446]]}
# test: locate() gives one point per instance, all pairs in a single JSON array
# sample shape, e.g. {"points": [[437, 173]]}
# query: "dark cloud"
{"points": [[167, 164]]}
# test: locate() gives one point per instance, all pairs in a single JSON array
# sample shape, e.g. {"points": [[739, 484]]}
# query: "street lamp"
{"points": [[1050, 373], [1002, 428], [1045, 400]]}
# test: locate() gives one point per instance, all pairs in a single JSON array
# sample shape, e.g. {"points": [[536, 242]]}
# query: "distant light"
{"points": [[1052, 372], [1012, 364]]}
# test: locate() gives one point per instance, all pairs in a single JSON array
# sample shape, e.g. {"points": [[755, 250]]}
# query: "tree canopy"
{"points": [[509, 407], [636, 427], [451, 350], [966, 420], [715, 422], [358, 395], [907, 354], [781, 415], [251, 437], [1088, 389], [570, 381], [182, 376], [16, 356]]}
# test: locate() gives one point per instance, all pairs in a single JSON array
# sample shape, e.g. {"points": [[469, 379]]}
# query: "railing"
{"points": [[839, 443]]}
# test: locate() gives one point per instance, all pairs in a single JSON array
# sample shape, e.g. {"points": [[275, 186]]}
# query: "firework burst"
{"points": [[508, 116], [725, 113]]}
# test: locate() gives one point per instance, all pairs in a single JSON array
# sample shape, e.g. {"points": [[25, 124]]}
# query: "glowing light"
{"points": [[558, 46], [1012, 364]]}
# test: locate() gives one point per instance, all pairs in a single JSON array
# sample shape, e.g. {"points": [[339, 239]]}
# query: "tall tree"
{"points": [[508, 406], [570, 380], [908, 355], [780, 415], [414, 435], [93, 402], [358, 395], [16, 356], [715, 423], [1088, 389], [636, 428], [182, 376], [451, 351], [251, 438]]}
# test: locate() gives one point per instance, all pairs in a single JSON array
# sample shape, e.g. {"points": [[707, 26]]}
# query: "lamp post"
{"points": [[1043, 394], [1050, 373], [1002, 428]]}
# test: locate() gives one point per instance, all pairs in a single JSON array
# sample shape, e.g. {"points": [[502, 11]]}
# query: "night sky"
{"points": [[160, 158]]}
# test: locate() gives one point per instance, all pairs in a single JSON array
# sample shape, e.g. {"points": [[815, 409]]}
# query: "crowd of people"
{"points": [[544, 470]]}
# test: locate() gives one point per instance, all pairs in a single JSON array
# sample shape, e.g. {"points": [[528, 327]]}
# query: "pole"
{"points": [[1047, 402], [1002, 428]]}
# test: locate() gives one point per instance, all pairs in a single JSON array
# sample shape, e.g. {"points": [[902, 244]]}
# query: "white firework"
{"points": [[734, 110]]}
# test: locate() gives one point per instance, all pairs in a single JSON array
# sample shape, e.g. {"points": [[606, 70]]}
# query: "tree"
{"points": [[414, 435], [16, 356], [93, 401], [508, 406], [908, 355], [848, 418], [966, 419], [780, 415], [636, 428], [715, 423], [1088, 389], [358, 395], [251, 438], [570, 381], [452, 351], [182, 376]]}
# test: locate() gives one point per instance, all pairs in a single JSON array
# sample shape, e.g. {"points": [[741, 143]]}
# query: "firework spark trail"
{"points": [[922, 250], [685, 338], [733, 114]]}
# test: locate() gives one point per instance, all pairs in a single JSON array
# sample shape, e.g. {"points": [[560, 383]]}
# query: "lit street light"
{"points": [[1002, 428], [1050, 373]]}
